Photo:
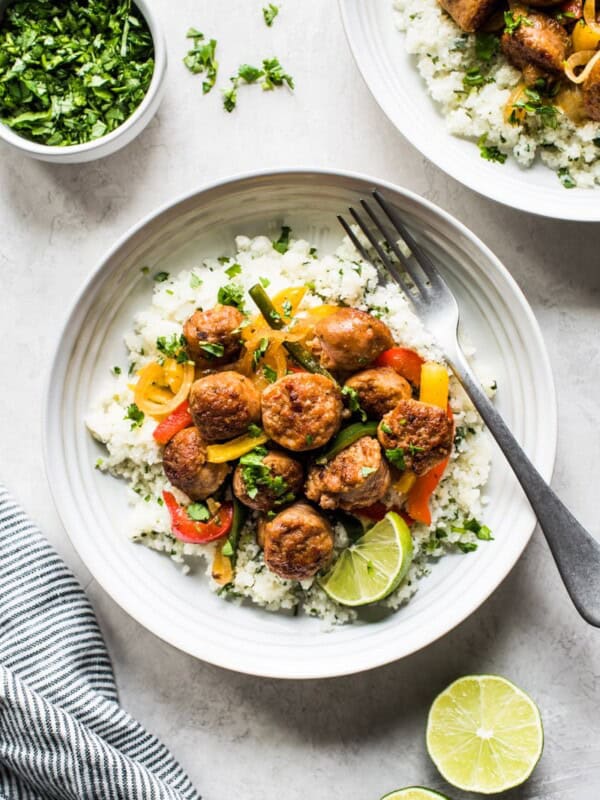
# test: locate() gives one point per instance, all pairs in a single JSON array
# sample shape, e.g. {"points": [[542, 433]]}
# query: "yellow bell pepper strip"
{"points": [[434, 389], [275, 321], [405, 482], [235, 448], [222, 568], [434, 384], [346, 437]]}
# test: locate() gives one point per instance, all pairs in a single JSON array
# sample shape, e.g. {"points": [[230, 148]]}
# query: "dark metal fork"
{"points": [[577, 554]]}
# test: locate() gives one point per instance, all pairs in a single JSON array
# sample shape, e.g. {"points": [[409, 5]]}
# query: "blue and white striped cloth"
{"points": [[63, 734]]}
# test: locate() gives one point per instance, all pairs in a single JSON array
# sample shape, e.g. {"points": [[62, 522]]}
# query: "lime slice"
{"points": [[372, 567], [484, 734], [414, 793]]}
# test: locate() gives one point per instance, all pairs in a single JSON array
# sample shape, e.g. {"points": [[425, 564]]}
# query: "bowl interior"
{"points": [[392, 76], [93, 506]]}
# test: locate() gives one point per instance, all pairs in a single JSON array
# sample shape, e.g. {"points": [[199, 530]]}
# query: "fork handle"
{"points": [[577, 554]]}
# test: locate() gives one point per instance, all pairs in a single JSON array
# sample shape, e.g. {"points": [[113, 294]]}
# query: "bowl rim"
{"points": [[545, 465], [479, 181], [160, 63]]}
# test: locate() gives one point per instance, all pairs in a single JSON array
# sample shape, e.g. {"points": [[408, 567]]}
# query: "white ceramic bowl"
{"points": [[392, 76], [121, 136], [93, 506]]}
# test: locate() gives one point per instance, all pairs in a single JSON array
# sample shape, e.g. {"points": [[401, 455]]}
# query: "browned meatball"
{"points": [[422, 432], [350, 339], [591, 93], [301, 411], [219, 326], [357, 477], [469, 14], [297, 543], [539, 41], [379, 390], [185, 465], [264, 480], [223, 405]]}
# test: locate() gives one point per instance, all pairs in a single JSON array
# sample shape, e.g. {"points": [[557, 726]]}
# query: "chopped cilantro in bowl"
{"points": [[76, 71]]}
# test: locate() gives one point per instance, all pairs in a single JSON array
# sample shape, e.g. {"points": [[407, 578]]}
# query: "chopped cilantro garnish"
{"points": [[309, 439], [274, 75], [566, 178], [366, 471], [116, 370], [264, 282], [396, 457], [490, 152], [195, 281], [249, 74], [227, 549], [533, 104], [261, 349], [511, 23], [473, 526], [198, 512], [257, 475], [313, 252], [287, 308], [202, 58], [173, 347], [282, 245], [269, 13], [233, 270], [353, 402], [254, 431], [161, 277], [135, 415], [269, 373], [467, 547], [486, 46], [271, 72], [71, 72], [144, 270], [211, 349], [386, 428], [232, 294]]}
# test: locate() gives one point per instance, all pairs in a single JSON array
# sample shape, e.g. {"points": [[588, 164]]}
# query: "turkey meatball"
{"points": [[223, 405], [350, 339], [379, 390], [297, 543], [218, 327], [264, 481], [422, 432], [357, 477], [301, 411], [185, 465]]}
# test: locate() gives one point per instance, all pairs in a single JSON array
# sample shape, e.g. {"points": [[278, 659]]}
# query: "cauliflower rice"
{"points": [[133, 455], [445, 54]]}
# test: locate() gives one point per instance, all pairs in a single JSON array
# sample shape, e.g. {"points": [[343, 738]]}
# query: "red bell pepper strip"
{"points": [[192, 532], [378, 511], [406, 363], [420, 494], [175, 422]]}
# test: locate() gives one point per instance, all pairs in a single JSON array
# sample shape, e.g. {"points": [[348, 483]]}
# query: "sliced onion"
{"points": [[147, 390], [587, 57], [589, 15]]}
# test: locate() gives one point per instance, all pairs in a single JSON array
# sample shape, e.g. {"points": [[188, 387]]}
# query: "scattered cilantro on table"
{"points": [[269, 13], [72, 71], [272, 74], [202, 58]]}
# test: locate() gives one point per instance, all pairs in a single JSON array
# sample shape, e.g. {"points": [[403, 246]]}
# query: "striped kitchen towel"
{"points": [[63, 733]]}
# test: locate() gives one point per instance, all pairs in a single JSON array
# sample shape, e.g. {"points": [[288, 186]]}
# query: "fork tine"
{"points": [[389, 266], [416, 279], [353, 238], [421, 256]]}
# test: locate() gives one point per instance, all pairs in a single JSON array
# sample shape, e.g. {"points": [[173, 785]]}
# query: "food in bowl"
{"points": [[72, 72], [522, 80], [276, 405]]}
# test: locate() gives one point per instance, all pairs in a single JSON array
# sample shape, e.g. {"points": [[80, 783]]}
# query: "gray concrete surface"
{"points": [[357, 737]]}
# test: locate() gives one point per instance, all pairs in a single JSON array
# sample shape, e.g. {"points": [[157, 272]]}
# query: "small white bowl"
{"points": [[121, 136]]}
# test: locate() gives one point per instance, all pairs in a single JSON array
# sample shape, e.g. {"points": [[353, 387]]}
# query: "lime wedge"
{"points": [[484, 734], [372, 567], [414, 793]]}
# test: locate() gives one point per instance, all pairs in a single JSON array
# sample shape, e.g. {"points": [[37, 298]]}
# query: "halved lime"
{"points": [[484, 734], [373, 566], [414, 793]]}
